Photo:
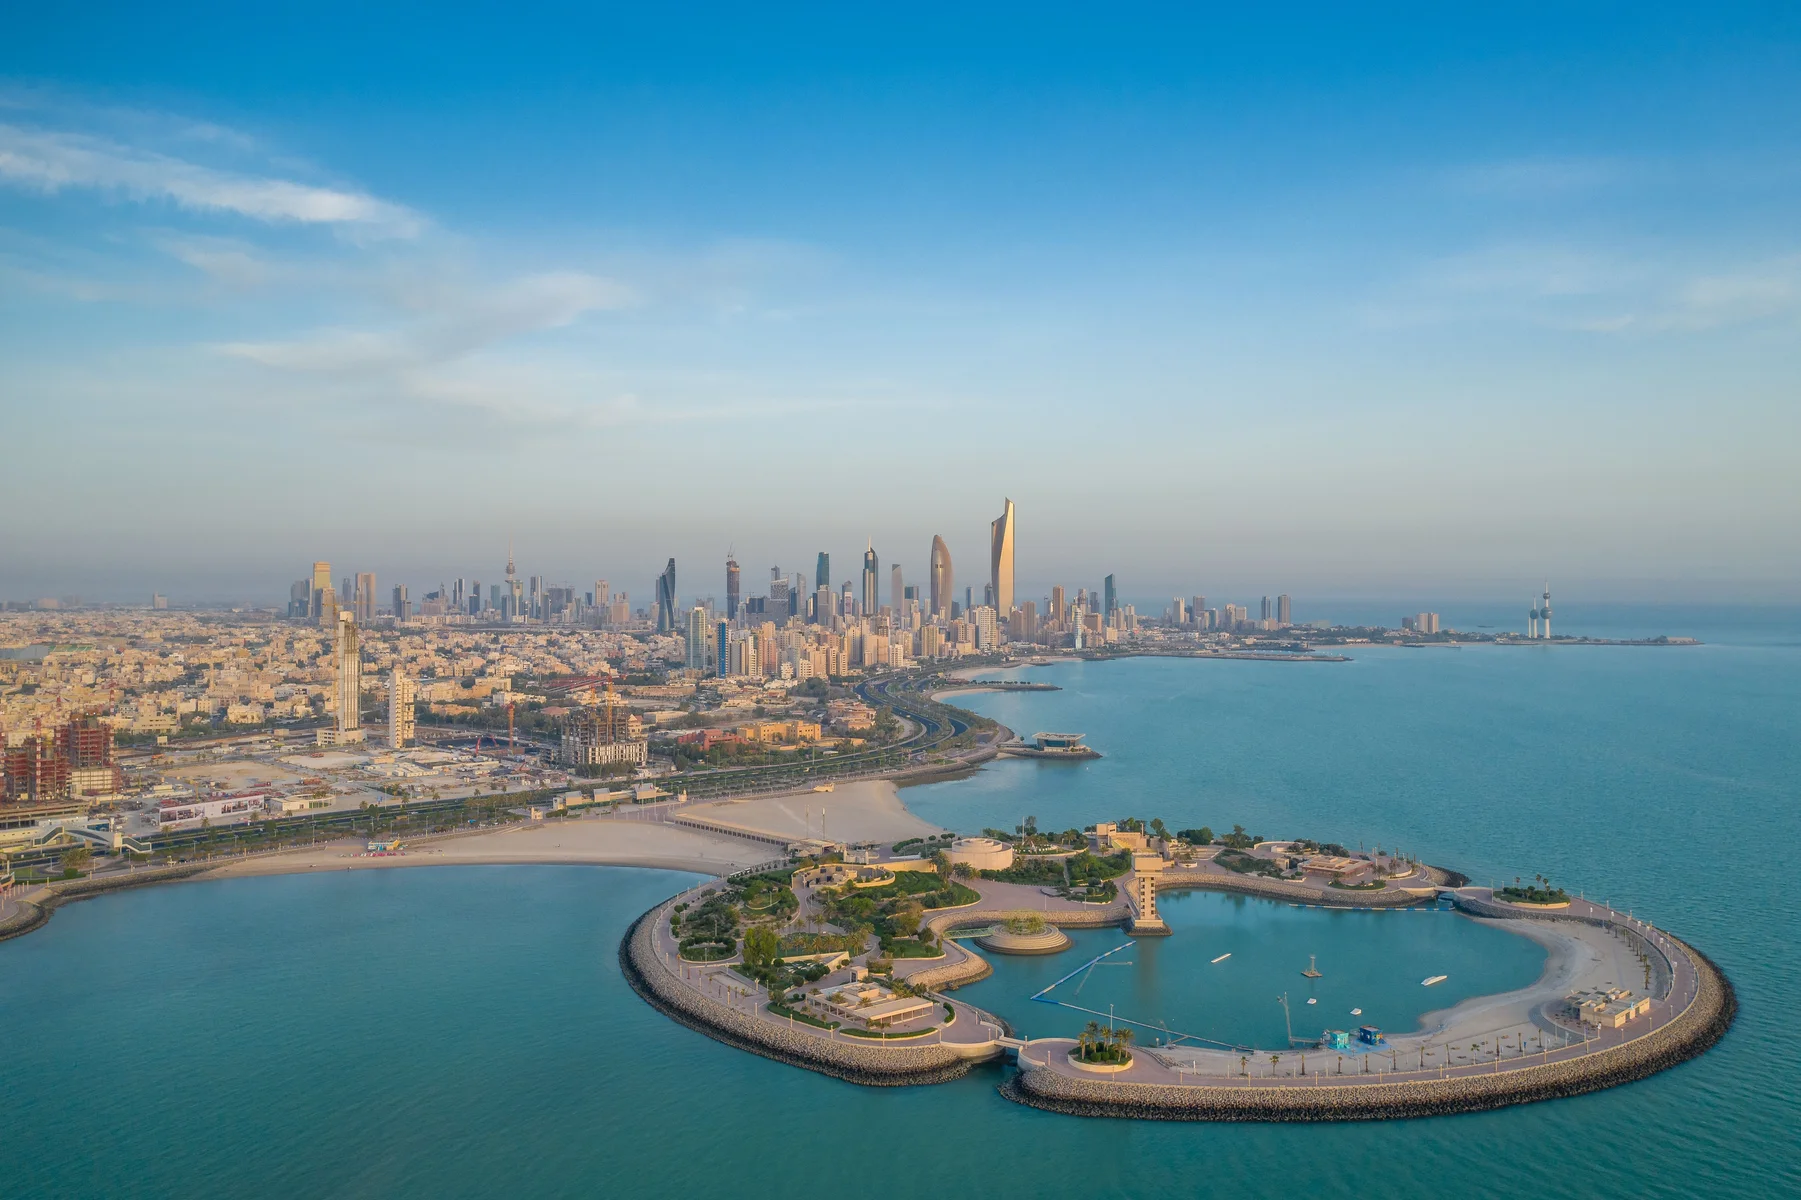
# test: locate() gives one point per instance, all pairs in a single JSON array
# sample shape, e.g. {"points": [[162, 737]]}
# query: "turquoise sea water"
{"points": [[465, 1031], [1372, 961]]}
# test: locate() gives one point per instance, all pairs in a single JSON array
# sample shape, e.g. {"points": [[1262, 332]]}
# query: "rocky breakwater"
{"points": [[1689, 1034], [35, 913], [874, 1064]]}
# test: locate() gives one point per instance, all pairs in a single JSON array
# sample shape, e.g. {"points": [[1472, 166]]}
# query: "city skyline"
{"points": [[1333, 317]]}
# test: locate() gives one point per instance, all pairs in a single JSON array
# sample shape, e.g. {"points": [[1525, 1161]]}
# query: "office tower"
{"points": [[969, 598], [871, 567], [847, 605], [327, 604], [822, 574], [942, 579], [456, 596], [1197, 609], [1266, 613], [822, 606], [603, 595], [401, 694], [722, 650], [1028, 620], [1057, 605], [732, 587], [349, 692], [897, 587], [796, 591], [535, 604], [321, 585], [365, 598], [1176, 614], [778, 593], [988, 594], [1284, 611], [300, 599], [1001, 560], [495, 599], [515, 599], [402, 609], [475, 597], [695, 658], [666, 599], [1112, 597]]}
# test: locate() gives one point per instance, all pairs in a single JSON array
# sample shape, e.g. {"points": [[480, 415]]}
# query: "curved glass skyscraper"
{"points": [[1001, 561], [941, 580]]}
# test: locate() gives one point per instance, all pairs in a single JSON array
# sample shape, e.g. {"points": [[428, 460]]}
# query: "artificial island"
{"points": [[846, 962]]}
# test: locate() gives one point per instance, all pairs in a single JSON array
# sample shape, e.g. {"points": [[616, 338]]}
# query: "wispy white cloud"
{"points": [[1600, 291], [457, 322], [52, 161]]}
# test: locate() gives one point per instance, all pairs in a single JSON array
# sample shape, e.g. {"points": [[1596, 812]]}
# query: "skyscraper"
{"points": [[695, 658], [942, 580], [348, 694], [1057, 605], [321, 585], [822, 575], [732, 587], [1266, 614], [1112, 597], [401, 693], [1284, 611], [1001, 559], [402, 609], [897, 588], [365, 598], [871, 566], [666, 599]]}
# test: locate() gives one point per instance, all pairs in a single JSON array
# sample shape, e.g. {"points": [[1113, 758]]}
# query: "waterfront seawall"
{"points": [[874, 1065], [1697, 1028]]}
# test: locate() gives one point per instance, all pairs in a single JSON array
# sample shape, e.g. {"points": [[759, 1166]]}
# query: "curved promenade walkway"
{"points": [[1692, 1007]]}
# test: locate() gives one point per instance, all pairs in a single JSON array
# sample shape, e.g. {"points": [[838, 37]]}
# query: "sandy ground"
{"points": [[603, 841], [868, 810]]}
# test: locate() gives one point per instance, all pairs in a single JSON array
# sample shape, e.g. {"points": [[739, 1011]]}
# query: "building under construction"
{"points": [[73, 761], [606, 734]]}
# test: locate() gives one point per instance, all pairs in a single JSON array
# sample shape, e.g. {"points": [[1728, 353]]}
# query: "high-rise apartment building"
{"points": [[942, 582], [732, 586], [347, 725], [1284, 611], [402, 692], [871, 568], [987, 628], [666, 599], [1001, 559], [695, 657], [1057, 605]]}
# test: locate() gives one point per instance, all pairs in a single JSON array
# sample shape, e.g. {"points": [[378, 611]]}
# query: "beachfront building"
{"points": [[1332, 868], [1607, 1008]]}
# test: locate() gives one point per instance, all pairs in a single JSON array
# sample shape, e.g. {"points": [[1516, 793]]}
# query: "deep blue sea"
{"points": [[465, 1031]]}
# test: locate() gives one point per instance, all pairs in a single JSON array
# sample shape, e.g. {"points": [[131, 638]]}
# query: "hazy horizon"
{"points": [[1343, 302]]}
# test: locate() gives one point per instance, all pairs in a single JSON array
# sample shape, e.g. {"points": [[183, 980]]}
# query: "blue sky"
{"points": [[1386, 301]]}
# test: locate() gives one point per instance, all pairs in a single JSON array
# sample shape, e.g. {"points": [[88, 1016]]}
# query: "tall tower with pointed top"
{"points": [[1001, 560], [871, 601], [942, 583]]}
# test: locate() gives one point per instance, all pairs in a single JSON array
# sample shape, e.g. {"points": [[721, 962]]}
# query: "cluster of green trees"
{"points": [[1539, 891], [1099, 1043]]}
